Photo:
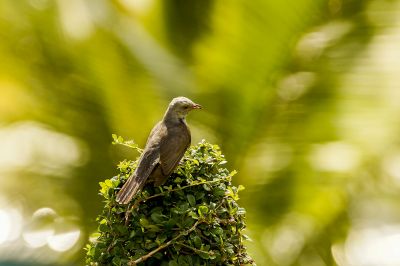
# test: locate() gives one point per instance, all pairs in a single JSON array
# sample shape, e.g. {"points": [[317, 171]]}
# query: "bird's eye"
{"points": [[186, 107]]}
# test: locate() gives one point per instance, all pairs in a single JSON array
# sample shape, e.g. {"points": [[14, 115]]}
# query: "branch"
{"points": [[177, 189], [184, 187], [195, 249], [151, 253], [129, 145]]}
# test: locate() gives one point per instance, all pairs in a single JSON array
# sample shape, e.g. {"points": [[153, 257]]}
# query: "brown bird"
{"points": [[168, 141]]}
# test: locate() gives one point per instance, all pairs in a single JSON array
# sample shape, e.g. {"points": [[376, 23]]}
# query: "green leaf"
{"points": [[161, 239], [197, 241], [173, 263], [217, 231], [183, 207], [241, 211], [144, 222], [132, 234], [191, 199], [185, 260], [188, 222], [171, 223], [193, 215], [200, 195], [157, 217], [202, 210], [153, 228], [178, 180], [218, 192], [207, 187], [122, 229], [108, 183], [203, 254], [116, 261]]}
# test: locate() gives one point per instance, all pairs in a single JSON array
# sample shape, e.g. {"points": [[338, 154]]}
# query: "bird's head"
{"points": [[181, 106]]}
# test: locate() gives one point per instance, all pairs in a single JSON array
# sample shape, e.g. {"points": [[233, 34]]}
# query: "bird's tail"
{"points": [[129, 190]]}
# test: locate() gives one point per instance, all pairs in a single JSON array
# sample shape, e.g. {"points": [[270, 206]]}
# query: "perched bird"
{"points": [[168, 141]]}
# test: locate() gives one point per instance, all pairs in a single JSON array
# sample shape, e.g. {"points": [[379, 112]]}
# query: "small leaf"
{"points": [[185, 261], [116, 261], [241, 211], [191, 199], [218, 192], [157, 217], [193, 215], [200, 195], [188, 222], [197, 241], [144, 222], [173, 263], [183, 207], [202, 210], [153, 228], [217, 231], [161, 239], [203, 254], [178, 180], [132, 234], [207, 187]]}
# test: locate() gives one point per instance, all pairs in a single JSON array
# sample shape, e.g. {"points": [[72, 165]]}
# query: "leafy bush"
{"points": [[193, 219]]}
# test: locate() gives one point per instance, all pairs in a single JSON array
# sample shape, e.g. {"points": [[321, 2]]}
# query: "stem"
{"points": [[151, 253], [194, 249], [135, 147], [132, 146]]}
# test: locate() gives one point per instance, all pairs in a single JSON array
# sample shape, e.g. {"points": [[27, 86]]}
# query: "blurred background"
{"points": [[303, 96]]}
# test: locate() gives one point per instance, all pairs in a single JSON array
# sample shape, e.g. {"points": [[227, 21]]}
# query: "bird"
{"points": [[165, 147]]}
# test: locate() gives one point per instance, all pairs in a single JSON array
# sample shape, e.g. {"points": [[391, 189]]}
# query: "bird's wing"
{"points": [[147, 161], [151, 154], [172, 148]]}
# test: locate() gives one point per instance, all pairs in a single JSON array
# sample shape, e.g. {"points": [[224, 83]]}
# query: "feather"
{"points": [[165, 147], [172, 149]]}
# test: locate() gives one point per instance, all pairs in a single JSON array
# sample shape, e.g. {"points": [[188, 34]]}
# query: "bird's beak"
{"points": [[196, 106]]}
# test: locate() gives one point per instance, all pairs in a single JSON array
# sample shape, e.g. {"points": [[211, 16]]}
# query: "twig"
{"points": [[194, 249], [112, 244], [151, 253], [132, 146], [202, 236]]}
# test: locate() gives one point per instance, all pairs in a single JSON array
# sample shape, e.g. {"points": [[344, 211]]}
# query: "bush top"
{"points": [[194, 219]]}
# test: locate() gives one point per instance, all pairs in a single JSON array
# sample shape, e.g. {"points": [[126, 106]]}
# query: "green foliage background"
{"points": [[301, 96]]}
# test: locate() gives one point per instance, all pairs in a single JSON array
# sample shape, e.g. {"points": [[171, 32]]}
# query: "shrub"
{"points": [[193, 219]]}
